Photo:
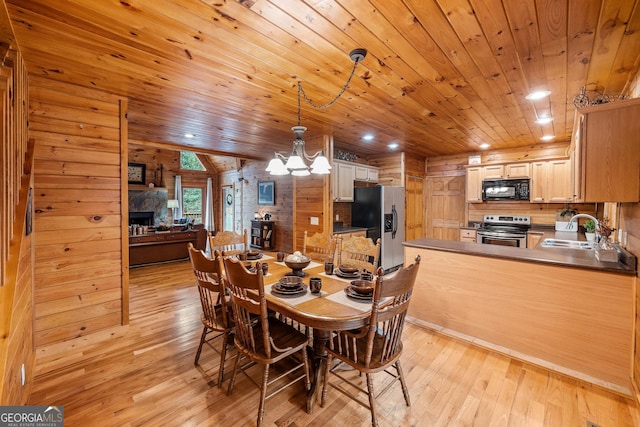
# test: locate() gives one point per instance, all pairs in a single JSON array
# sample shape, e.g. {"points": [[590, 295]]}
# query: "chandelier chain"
{"points": [[333, 101]]}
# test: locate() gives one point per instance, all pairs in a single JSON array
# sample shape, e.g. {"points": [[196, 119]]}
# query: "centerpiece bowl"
{"points": [[296, 262]]}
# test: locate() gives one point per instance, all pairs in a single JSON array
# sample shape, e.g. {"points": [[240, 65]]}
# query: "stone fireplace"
{"points": [[148, 205]]}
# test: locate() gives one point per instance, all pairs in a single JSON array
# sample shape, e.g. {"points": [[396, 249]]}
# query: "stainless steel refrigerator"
{"points": [[380, 209]]}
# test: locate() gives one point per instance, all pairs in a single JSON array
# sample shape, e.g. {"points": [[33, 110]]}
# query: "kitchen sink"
{"points": [[566, 244]]}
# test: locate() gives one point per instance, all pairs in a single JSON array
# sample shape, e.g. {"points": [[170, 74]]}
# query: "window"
{"points": [[192, 204], [190, 161]]}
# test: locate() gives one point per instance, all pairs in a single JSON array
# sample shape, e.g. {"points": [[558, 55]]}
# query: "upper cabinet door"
{"points": [[611, 152], [493, 172], [517, 170], [474, 184]]}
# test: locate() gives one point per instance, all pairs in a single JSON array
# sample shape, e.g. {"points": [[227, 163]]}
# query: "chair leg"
{"points": [[233, 375], [307, 373], [372, 398], [263, 394], [405, 390], [203, 337], [223, 353], [325, 379]]}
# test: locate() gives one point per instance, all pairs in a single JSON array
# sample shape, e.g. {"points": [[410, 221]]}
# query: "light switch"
{"points": [[314, 220]]}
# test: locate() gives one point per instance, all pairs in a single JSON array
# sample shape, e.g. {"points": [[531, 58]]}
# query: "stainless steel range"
{"points": [[505, 230]]}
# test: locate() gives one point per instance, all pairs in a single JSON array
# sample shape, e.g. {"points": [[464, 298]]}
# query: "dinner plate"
{"points": [[344, 275], [288, 292], [351, 293], [290, 282]]}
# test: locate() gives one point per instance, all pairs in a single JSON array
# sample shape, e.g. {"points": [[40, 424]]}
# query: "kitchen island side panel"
{"points": [[577, 320]]}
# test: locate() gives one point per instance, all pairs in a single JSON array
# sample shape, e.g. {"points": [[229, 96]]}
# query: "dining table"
{"points": [[329, 310]]}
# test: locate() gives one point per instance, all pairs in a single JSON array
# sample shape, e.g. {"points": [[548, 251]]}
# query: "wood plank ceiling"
{"points": [[441, 76]]}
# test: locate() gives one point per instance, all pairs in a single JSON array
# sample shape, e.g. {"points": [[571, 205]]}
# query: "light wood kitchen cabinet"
{"points": [[474, 184], [516, 170], [468, 235], [513, 170], [533, 238], [492, 172], [366, 173], [551, 181], [610, 152], [343, 176]]}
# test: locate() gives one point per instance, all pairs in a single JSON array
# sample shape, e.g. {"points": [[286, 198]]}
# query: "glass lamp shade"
{"points": [[295, 162], [172, 203], [276, 167], [300, 172], [321, 165]]}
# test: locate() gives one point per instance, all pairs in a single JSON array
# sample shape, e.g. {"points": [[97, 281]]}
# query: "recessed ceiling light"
{"points": [[367, 137], [544, 120], [539, 94], [392, 146], [484, 146], [189, 135], [547, 137]]}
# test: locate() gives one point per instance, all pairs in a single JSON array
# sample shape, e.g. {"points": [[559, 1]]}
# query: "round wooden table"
{"points": [[320, 313]]}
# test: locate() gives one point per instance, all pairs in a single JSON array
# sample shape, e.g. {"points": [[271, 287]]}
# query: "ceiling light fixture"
{"points": [[539, 94], [368, 137], [295, 163], [547, 138], [393, 146], [544, 120]]}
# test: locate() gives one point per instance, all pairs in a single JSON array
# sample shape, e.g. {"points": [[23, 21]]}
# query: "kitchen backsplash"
{"points": [[343, 211]]}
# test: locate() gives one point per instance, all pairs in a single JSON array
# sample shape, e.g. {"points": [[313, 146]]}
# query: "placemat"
{"points": [[336, 277], [295, 300], [342, 298]]}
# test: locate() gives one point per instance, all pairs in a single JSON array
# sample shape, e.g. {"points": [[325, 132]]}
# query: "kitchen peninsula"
{"points": [[562, 310]]}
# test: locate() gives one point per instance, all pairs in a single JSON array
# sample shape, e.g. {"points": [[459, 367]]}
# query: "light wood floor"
{"points": [[145, 376]]}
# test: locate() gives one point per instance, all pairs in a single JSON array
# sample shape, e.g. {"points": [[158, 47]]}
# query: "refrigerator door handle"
{"points": [[395, 221]]}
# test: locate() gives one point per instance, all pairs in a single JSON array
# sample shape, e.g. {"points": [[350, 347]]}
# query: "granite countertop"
{"points": [[577, 258]]}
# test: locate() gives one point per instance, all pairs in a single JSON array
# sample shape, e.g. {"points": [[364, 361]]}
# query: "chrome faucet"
{"points": [[594, 219]]}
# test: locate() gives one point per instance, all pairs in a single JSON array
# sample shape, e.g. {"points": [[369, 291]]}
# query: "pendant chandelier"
{"points": [[295, 163]]}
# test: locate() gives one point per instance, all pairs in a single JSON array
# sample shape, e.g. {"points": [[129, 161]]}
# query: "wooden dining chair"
{"points": [[229, 242], [262, 339], [378, 346], [216, 314], [360, 252], [319, 247]]}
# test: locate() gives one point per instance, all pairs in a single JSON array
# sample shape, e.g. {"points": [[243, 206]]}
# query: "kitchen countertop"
{"points": [[348, 229], [576, 258]]}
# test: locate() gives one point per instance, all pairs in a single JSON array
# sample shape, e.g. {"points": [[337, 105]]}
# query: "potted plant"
{"points": [[562, 219], [590, 230]]}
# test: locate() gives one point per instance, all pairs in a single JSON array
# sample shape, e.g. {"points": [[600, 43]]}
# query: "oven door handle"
{"points": [[502, 235]]}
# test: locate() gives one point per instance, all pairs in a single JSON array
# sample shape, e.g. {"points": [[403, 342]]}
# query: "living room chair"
{"points": [[360, 252], [320, 247], [378, 346], [262, 339], [216, 313], [229, 242]]}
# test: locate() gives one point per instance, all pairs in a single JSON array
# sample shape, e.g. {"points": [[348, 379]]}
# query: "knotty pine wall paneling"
{"points": [[80, 279], [312, 197], [17, 347], [281, 212]]}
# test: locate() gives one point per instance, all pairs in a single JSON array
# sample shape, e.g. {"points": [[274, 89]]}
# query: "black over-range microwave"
{"points": [[505, 189]]}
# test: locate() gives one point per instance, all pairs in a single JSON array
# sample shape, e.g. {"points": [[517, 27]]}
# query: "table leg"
{"points": [[320, 339]]}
